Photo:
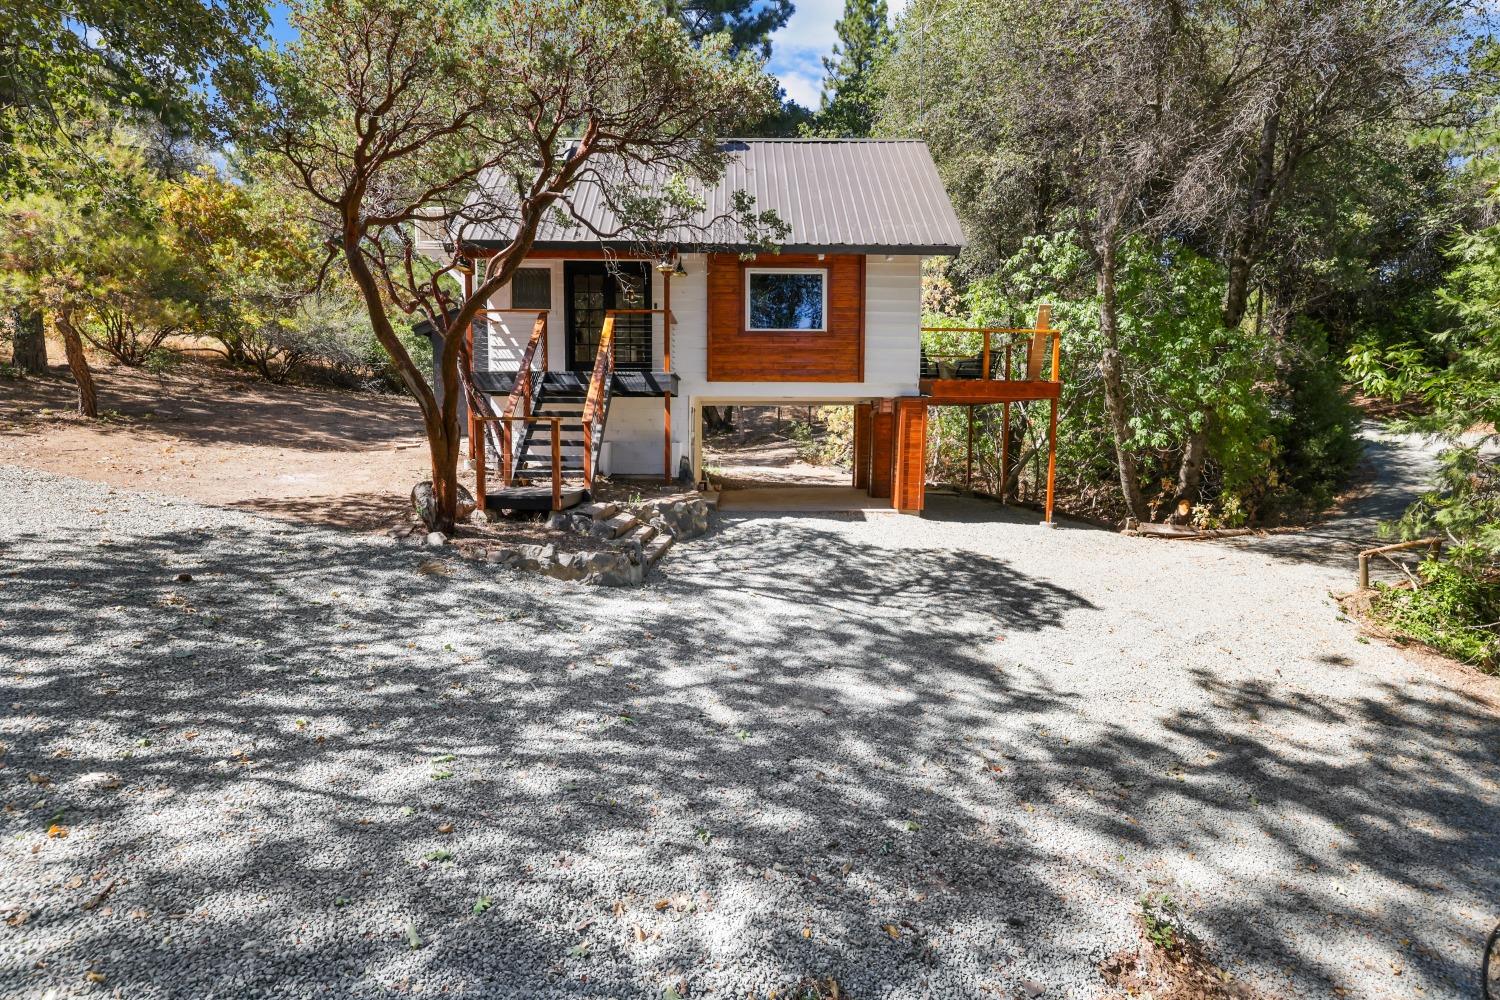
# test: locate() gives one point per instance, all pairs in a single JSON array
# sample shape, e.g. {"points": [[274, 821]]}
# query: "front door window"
{"points": [[592, 290]]}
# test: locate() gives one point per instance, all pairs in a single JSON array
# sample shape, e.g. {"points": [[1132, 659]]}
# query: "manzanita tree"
{"points": [[402, 120]]}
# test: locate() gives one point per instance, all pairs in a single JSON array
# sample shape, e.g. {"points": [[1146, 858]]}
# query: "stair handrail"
{"points": [[521, 391], [604, 370]]}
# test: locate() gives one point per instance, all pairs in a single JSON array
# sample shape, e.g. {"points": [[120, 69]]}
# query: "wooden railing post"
{"points": [[541, 319], [480, 472], [985, 370], [505, 446], [556, 463], [588, 453]]}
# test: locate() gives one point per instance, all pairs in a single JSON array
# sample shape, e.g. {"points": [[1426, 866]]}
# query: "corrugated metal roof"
{"points": [[870, 195]]}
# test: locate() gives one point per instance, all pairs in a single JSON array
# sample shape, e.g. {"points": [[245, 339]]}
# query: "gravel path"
{"points": [[931, 758]]}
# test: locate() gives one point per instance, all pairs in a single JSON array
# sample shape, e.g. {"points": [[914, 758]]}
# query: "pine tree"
{"points": [[748, 22], [851, 94]]}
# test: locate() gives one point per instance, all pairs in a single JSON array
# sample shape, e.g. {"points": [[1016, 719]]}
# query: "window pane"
{"points": [[531, 288], [786, 301]]}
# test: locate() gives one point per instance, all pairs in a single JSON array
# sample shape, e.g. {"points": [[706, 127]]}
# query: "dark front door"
{"points": [[593, 287]]}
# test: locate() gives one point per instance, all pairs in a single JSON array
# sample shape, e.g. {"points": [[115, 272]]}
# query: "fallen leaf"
{"points": [[661, 904], [18, 918], [807, 932], [58, 831], [640, 935], [892, 930], [445, 828], [94, 977], [412, 938]]}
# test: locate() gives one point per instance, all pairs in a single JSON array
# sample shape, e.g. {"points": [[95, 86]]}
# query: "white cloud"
{"points": [[798, 47]]}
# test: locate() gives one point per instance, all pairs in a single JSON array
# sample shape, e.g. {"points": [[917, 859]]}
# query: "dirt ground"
{"points": [[211, 434], [760, 452]]}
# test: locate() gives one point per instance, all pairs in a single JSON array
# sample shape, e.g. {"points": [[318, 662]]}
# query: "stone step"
{"points": [[600, 511], [657, 548], [615, 526], [641, 534]]}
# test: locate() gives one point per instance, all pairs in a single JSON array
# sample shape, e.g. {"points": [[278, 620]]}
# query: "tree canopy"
{"points": [[387, 114]]}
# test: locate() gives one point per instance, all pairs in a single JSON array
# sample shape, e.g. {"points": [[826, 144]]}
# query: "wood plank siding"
{"points": [[909, 478], [832, 355]]}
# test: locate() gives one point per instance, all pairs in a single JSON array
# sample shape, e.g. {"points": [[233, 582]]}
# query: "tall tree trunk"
{"points": [[1253, 220], [29, 347], [78, 364], [1112, 368]]}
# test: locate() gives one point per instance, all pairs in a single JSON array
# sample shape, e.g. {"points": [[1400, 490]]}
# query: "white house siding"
{"points": [[893, 307]]}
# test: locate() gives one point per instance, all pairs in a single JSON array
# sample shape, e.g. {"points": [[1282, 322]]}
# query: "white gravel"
{"points": [[990, 737]]}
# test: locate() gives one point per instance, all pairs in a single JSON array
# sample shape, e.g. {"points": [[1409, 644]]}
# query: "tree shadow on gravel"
{"points": [[794, 755]]}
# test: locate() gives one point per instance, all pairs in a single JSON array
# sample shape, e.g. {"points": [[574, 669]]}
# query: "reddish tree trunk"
{"points": [[78, 364]]}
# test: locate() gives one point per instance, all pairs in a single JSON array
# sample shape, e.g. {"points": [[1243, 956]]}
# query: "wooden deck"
{"points": [[537, 498], [943, 391], [622, 383]]}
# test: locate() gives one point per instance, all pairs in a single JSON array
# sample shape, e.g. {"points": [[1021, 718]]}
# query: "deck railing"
{"points": [[996, 361], [522, 395]]}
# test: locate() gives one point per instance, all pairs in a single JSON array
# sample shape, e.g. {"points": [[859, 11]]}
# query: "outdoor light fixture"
{"points": [[680, 272]]}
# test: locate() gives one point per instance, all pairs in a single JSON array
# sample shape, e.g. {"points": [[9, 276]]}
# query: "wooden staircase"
{"points": [[579, 450]]}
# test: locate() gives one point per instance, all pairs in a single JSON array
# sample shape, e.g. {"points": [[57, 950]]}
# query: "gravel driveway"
{"points": [[931, 758]]}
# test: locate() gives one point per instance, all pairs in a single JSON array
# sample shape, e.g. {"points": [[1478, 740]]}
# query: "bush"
{"points": [[1454, 612]]}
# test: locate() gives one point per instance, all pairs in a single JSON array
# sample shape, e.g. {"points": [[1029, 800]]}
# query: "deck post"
{"points": [[969, 476], [469, 353], [1004, 452], [666, 444], [863, 421], [479, 474], [556, 463], [588, 453], [1051, 458], [505, 464]]}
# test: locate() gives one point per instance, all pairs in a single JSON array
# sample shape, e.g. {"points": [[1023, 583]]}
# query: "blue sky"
{"points": [[796, 50]]}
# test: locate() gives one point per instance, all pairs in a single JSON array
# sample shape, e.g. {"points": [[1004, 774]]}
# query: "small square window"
{"points": [[786, 299], [531, 288]]}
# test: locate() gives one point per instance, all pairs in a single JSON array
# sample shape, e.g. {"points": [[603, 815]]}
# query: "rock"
{"points": [[501, 555], [423, 503], [436, 539], [534, 556], [566, 520], [184, 578], [683, 519], [614, 569], [566, 566]]}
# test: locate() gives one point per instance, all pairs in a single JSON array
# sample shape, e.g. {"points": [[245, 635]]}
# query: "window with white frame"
{"points": [[786, 298]]}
